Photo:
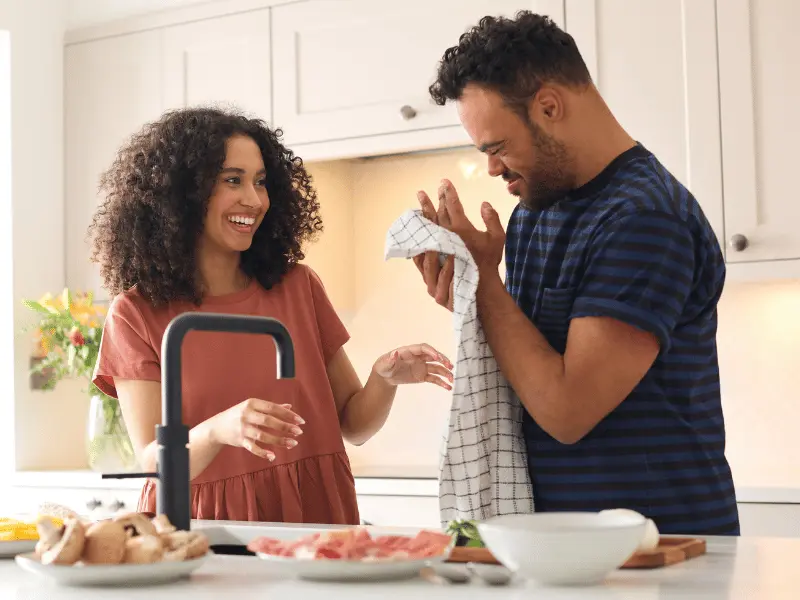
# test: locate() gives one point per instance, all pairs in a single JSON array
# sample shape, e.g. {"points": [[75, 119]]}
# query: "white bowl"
{"points": [[563, 548]]}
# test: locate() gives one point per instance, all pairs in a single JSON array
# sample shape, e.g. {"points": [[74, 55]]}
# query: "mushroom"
{"points": [[105, 543], [49, 509], [162, 524], [194, 543], [48, 533], [175, 555], [136, 524], [143, 549], [60, 547]]}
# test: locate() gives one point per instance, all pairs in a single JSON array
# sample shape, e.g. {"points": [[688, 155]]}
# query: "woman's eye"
{"points": [[262, 182], [232, 180]]}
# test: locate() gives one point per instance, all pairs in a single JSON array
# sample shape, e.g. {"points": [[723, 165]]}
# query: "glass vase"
{"points": [[108, 447]]}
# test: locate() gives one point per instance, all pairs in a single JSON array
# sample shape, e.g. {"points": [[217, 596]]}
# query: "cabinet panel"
{"points": [[770, 520], [351, 68], [111, 88], [220, 61], [760, 87], [91, 503], [400, 511], [655, 63]]}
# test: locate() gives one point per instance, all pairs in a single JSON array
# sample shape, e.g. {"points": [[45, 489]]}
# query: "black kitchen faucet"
{"points": [[172, 436]]}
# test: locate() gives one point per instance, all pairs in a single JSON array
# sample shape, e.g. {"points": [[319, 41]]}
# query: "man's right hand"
{"points": [[438, 278]]}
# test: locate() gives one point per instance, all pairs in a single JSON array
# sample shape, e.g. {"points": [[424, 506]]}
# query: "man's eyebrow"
{"points": [[490, 145]]}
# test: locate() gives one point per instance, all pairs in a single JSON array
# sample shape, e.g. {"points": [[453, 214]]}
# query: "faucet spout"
{"points": [[171, 384], [172, 436]]}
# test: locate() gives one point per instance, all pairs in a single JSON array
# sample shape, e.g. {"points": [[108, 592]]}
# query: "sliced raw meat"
{"points": [[355, 544]]}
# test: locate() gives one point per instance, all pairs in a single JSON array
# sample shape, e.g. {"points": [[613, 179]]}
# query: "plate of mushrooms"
{"points": [[127, 550]]}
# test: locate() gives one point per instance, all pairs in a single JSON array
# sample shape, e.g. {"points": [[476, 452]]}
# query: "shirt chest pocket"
{"points": [[552, 318]]}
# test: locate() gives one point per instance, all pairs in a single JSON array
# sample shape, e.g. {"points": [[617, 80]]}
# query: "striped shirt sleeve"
{"points": [[640, 271]]}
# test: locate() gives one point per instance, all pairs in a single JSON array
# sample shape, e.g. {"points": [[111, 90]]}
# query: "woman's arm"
{"points": [[363, 410], [141, 408]]}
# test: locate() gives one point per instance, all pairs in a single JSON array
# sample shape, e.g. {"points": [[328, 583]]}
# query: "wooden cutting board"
{"points": [[669, 552]]}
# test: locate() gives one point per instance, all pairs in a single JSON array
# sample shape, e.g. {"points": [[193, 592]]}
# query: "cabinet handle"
{"points": [[739, 242], [93, 504], [117, 505], [407, 112]]}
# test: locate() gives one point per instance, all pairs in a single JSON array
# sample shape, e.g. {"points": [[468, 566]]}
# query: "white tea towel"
{"points": [[483, 467]]}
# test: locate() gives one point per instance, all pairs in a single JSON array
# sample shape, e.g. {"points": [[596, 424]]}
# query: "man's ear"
{"points": [[547, 107]]}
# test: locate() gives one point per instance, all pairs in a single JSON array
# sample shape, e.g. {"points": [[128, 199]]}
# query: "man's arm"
{"points": [[569, 394], [638, 276]]}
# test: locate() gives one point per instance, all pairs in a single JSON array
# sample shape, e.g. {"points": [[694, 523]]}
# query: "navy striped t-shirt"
{"points": [[632, 244]]}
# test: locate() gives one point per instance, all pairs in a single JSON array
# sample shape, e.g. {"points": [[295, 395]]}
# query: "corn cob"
{"points": [[12, 530]]}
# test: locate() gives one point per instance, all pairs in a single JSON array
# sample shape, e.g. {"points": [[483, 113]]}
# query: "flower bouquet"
{"points": [[68, 342]]}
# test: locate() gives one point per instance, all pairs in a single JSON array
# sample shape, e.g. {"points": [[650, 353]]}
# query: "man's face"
{"points": [[535, 165]]}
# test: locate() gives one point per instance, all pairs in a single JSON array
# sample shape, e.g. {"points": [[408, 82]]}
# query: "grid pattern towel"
{"points": [[483, 467]]}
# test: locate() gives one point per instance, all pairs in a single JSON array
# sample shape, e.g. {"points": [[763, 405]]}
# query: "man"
{"points": [[606, 325]]}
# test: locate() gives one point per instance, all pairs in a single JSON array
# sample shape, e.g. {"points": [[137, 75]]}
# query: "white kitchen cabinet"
{"points": [[759, 83], [111, 88], [354, 68], [400, 511], [94, 503], [226, 60], [769, 520], [655, 63]]}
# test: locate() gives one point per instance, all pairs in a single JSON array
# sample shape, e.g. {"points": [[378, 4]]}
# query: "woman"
{"points": [[208, 211]]}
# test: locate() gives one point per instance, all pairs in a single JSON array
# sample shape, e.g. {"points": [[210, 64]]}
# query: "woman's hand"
{"points": [[254, 424], [415, 364]]}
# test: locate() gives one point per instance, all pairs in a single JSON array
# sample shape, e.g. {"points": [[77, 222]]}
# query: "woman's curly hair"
{"points": [[156, 191], [513, 57]]}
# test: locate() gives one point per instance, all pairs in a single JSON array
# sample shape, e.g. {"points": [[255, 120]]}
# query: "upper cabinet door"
{"points": [[655, 63], [222, 61], [351, 68], [760, 92], [112, 87]]}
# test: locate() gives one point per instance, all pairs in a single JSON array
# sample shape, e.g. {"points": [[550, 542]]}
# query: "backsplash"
{"points": [[384, 305]]}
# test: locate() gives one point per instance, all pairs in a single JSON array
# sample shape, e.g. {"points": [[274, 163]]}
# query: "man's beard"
{"points": [[551, 180]]}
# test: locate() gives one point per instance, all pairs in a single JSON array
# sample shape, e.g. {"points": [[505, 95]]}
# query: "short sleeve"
{"points": [[125, 348], [640, 271], [332, 331]]}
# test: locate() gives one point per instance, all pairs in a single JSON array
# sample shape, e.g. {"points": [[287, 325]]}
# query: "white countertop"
{"points": [[370, 480], [733, 569]]}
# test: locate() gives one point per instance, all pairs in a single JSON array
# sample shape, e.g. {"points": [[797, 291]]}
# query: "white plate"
{"points": [[111, 575], [11, 549], [349, 570]]}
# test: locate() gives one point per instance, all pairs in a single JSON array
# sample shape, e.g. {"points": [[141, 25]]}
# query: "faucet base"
{"points": [[172, 492]]}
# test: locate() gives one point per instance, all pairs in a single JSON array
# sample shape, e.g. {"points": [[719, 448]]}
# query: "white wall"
{"points": [[6, 259], [36, 230]]}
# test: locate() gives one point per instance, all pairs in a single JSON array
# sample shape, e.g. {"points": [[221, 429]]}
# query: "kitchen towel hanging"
{"points": [[483, 465]]}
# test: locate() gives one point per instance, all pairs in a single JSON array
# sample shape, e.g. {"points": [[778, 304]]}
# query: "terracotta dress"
{"points": [[311, 483]]}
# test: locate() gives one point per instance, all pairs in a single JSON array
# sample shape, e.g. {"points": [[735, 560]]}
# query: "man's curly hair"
{"points": [[156, 191], [514, 57]]}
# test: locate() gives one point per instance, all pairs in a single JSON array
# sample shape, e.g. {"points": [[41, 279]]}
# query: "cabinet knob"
{"points": [[408, 112], [739, 242], [93, 504], [117, 505]]}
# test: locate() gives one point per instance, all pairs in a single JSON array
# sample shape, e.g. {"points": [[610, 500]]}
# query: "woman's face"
{"points": [[239, 198]]}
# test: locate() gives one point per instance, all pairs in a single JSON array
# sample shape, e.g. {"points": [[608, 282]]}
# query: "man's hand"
{"points": [[438, 278], [487, 246]]}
